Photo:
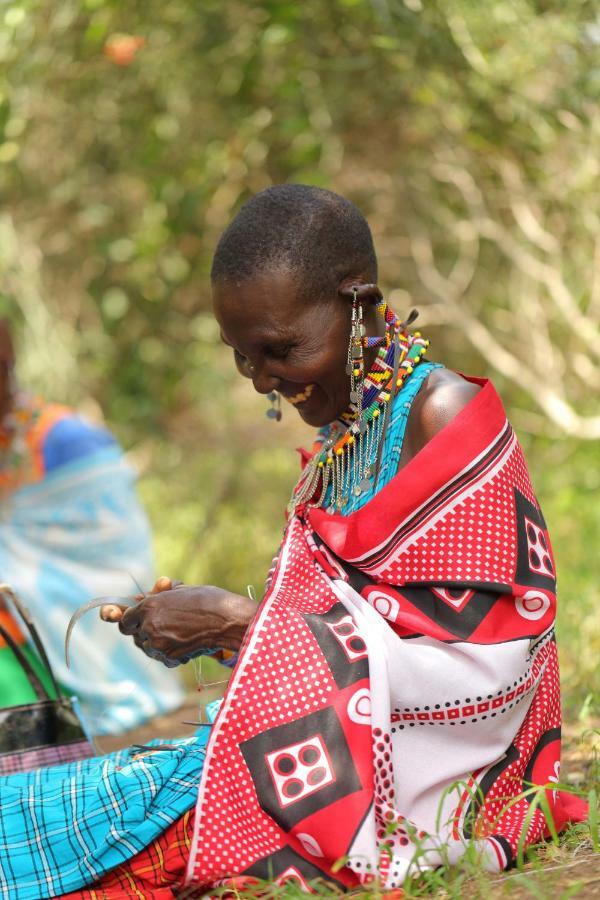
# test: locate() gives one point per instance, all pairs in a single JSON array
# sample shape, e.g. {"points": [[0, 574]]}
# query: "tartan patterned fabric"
{"points": [[154, 874], [64, 827], [26, 760]]}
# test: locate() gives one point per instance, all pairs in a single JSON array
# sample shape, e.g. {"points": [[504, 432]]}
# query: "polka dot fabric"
{"points": [[473, 539], [543, 719], [300, 774], [283, 676]]}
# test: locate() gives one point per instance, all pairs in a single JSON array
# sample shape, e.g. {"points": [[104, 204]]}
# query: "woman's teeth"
{"points": [[302, 396]]}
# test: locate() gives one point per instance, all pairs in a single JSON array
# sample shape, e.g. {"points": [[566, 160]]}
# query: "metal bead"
{"points": [[364, 485], [273, 414]]}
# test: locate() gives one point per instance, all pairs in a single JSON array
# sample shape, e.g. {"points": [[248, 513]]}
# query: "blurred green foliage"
{"points": [[468, 133], [567, 479]]}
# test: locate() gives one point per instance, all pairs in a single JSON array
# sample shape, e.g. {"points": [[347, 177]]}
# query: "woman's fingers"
{"points": [[112, 613], [133, 617], [162, 584], [165, 584], [130, 620]]}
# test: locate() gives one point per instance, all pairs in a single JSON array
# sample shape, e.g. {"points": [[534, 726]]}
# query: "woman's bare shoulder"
{"points": [[443, 395]]}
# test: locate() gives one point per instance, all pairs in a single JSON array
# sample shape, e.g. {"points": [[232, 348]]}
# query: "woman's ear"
{"points": [[364, 292]]}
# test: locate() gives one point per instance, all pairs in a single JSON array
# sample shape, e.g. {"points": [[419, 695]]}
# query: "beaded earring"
{"points": [[274, 411], [355, 366], [347, 460]]}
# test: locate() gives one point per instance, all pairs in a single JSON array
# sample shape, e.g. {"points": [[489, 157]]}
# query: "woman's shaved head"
{"points": [[319, 237]]}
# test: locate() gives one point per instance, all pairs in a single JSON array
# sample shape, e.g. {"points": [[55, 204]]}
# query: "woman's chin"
{"points": [[312, 418], [315, 417], [318, 408]]}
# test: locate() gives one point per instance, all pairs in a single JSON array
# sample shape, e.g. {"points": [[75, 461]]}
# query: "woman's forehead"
{"points": [[274, 283], [267, 302]]}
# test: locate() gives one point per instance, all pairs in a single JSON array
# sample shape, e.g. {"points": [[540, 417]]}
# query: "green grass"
{"points": [[543, 870]]}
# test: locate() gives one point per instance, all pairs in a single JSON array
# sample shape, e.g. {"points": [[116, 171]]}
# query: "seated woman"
{"points": [[397, 692], [72, 527]]}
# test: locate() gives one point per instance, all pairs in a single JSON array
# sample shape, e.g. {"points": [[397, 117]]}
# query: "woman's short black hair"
{"points": [[320, 237]]}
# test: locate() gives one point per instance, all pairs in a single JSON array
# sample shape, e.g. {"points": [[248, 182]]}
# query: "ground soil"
{"points": [[181, 723], [576, 876]]}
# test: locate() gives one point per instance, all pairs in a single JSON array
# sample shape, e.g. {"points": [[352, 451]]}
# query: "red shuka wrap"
{"points": [[399, 650], [397, 694]]}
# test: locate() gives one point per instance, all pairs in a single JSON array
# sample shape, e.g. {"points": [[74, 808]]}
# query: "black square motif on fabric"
{"points": [[301, 767], [286, 866], [343, 647], [460, 622], [534, 562]]}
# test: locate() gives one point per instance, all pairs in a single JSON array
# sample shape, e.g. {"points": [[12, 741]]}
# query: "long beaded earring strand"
{"points": [[355, 367]]}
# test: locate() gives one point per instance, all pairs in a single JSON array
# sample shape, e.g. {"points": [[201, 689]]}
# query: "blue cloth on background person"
{"points": [[70, 439], [65, 827], [78, 533]]}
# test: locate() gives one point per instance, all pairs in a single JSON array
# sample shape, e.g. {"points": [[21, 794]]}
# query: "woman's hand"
{"points": [[175, 620]]}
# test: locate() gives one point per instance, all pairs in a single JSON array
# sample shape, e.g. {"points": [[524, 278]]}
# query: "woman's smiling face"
{"points": [[288, 345]]}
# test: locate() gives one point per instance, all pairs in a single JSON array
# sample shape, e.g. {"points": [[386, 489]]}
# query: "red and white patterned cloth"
{"points": [[400, 650]]}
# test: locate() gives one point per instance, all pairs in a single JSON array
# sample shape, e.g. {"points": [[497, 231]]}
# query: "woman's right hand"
{"points": [[175, 621]]}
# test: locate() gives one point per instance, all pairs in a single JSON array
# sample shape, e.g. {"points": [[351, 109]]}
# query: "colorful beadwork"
{"points": [[16, 464], [342, 460]]}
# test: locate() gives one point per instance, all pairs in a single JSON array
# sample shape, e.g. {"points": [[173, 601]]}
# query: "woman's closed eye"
{"points": [[242, 364], [278, 351], [275, 352]]}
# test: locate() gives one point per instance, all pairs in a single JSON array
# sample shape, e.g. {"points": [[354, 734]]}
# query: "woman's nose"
{"points": [[264, 382]]}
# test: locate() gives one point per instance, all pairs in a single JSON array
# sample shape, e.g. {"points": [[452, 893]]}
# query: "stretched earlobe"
{"points": [[363, 292]]}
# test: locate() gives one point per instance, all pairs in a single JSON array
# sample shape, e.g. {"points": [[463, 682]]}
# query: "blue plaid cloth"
{"points": [[64, 827]]}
